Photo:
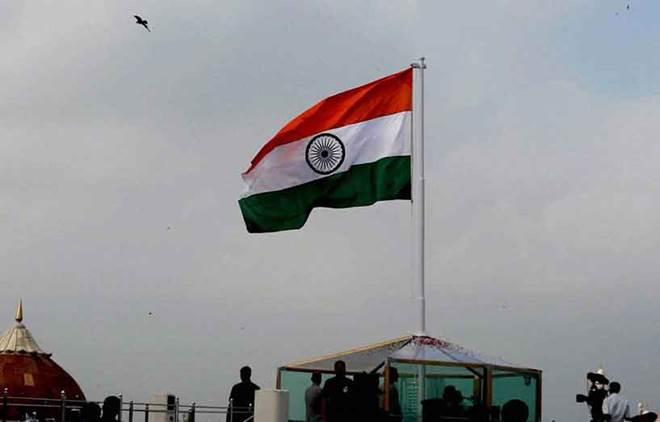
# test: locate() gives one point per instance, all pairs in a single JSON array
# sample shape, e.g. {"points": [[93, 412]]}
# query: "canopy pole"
{"points": [[418, 189], [418, 206]]}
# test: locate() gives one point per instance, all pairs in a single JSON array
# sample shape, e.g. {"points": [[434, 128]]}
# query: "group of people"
{"points": [[606, 404], [336, 402], [451, 407], [342, 399]]}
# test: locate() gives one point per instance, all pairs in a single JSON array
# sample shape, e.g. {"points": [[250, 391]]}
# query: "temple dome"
{"points": [[26, 370]]}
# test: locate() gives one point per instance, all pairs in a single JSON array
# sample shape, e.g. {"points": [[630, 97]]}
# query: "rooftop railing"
{"points": [[39, 409]]}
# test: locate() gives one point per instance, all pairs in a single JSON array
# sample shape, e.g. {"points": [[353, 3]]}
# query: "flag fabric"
{"points": [[352, 149]]}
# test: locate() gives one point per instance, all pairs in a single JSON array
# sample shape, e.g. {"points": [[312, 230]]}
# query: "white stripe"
{"points": [[364, 142]]}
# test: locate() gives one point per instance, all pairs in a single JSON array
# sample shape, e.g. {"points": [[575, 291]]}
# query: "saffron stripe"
{"points": [[389, 95], [365, 142]]}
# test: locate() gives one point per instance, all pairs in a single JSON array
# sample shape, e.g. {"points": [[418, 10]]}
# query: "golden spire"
{"points": [[19, 311]]}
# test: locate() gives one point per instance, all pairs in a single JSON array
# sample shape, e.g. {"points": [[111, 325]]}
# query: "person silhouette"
{"points": [[90, 412], [515, 411], [615, 407], [111, 409], [452, 402], [337, 395], [395, 413], [313, 399], [241, 398]]}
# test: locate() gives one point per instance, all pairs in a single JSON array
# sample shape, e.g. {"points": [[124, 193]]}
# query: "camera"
{"points": [[595, 395]]}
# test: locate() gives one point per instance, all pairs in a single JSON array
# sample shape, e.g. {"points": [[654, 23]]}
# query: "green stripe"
{"points": [[361, 185]]}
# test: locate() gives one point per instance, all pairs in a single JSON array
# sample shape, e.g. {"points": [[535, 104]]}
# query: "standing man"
{"points": [[313, 400], [395, 405], [241, 398], [615, 407], [338, 396]]}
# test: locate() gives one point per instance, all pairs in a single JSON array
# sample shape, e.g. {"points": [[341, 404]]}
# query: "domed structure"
{"points": [[26, 371]]}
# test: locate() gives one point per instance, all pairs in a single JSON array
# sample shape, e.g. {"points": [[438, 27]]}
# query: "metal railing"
{"points": [[38, 409]]}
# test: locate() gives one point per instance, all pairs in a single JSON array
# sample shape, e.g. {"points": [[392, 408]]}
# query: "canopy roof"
{"points": [[408, 348]]}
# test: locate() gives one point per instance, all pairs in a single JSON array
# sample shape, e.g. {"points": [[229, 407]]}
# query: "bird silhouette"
{"points": [[143, 22]]}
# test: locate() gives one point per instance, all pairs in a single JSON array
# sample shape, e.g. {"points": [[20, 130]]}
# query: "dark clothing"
{"points": [[338, 396], [241, 401], [595, 400], [395, 404], [111, 409]]}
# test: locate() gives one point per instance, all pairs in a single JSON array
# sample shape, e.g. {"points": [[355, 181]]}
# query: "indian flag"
{"points": [[349, 150]]}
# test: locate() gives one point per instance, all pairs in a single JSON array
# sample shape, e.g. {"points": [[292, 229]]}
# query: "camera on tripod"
{"points": [[597, 392]]}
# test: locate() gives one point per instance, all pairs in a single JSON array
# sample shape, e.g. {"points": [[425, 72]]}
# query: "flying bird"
{"points": [[140, 21]]}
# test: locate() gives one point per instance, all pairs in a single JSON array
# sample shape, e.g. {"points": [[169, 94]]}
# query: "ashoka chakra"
{"points": [[325, 153]]}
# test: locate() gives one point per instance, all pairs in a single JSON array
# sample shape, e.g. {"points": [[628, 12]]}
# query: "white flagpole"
{"points": [[418, 189]]}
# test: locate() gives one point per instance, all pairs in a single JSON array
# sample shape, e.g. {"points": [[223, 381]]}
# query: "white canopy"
{"points": [[409, 348]]}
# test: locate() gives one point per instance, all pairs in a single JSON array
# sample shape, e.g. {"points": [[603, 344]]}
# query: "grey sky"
{"points": [[543, 180]]}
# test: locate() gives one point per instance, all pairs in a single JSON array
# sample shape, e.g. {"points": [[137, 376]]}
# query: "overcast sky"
{"points": [[120, 161]]}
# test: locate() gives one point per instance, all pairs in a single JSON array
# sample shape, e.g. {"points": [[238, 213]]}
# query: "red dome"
{"points": [[27, 375], [26, 371]]}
